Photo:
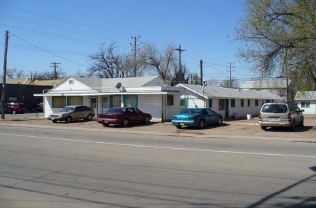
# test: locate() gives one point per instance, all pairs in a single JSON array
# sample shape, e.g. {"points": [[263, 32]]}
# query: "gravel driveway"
{"points": [[235, 128]]}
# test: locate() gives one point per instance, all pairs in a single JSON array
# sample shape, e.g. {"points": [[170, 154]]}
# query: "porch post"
{"points": [[122, 100]]}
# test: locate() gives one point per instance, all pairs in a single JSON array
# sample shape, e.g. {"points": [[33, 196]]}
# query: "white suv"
{"points": [[280, 115]]}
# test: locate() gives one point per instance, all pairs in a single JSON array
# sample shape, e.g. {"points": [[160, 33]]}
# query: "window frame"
{"points": [[221, 104], [170, 100], [232, 103], [59, 105]]}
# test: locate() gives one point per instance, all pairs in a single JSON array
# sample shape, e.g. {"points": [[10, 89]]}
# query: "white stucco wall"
{"points": [[200, 102], [151, 104], [173, 109], [71, 85], [311, 109]]}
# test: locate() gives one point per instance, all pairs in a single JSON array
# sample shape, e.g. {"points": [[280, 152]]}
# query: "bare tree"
{"points": [[15, 73], [108, 63], [164, 63], [230, 83], [61, 74]]}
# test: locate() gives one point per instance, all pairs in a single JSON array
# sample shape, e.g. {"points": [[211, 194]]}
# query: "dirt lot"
{"points": [[237, 128]]}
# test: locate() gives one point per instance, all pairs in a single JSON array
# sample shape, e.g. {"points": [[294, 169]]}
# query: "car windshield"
{"points": [[115, 111], [67, 109], [191, 111], [274, 108]]}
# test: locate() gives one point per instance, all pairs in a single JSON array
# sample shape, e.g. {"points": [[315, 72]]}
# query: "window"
{"points": [[59, 102], [130, 100], [74, 100], [209, 111], [116, 101], [210, 103], [169, 100], [105, 102], [305, 104], [242, 102], [256, 102], [232, 103], [183, 103], [248, 103], [221, 104]]}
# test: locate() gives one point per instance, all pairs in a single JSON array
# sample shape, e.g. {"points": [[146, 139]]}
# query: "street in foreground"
{"points": [[65, 168]]}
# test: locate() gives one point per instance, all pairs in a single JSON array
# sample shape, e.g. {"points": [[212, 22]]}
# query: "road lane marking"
{"points": [[163, 147]]}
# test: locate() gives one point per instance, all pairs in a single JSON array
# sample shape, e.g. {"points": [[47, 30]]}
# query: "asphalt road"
{"points": [[66, 168]]}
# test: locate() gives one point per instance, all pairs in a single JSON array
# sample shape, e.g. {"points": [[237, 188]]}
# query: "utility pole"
{"points": [[230, 75], [201, 71], [4, 73], [135, 53], [55, 65], [180, 51], [180, 64]]}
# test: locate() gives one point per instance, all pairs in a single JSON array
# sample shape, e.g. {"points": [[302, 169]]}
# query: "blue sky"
{"points": [[71, 30]]}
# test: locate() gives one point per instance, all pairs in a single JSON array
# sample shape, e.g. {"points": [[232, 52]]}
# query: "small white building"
{"points": [[149, 94], [225, 101], [279, 86], [306, 101]]}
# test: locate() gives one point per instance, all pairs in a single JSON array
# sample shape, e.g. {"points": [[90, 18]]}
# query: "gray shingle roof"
{"points": [[108, 84], [307, 95], [221, 92], [275, 83]]}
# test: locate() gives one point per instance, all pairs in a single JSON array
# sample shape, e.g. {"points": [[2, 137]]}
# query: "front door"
{"points": [[94, 104]]}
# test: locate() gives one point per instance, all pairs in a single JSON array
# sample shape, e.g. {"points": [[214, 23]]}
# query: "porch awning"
{"points": [[94, 94]]}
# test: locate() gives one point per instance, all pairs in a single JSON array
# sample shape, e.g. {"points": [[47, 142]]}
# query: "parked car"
{"points": [[73, 113], [198, 117], [280, 115], [15, 107], [123, 116], [39, 107]]}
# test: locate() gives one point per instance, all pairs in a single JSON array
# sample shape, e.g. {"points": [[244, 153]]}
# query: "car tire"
{"points": [[220, 121], [302, 123], [293, 127], [68, 119], [179, 127], [201, 124], [105, 124], [147, 120], [264, 128], [125, 122], [89, 118], [54, 121]]}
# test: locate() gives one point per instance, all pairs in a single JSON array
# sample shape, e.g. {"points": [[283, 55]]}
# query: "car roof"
{"points": [[123, 107], [14, 103]]}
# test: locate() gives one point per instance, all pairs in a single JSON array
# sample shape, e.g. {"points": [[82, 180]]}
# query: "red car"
{"points": [[123, 116], [16, 108]]}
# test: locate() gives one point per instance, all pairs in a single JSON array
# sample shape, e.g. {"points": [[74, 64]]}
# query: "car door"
{"points": [[76, 113], [206, 116], [213, 116], [139, 115], [130, 113]]}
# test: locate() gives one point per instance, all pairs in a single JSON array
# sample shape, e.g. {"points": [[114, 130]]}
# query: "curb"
{"points": [[193, 135]]}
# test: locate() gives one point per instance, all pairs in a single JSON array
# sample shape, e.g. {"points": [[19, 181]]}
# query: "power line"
{"points": [[48, 51], [53, 35]]}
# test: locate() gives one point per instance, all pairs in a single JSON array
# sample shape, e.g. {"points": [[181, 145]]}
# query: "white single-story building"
{"points": [[279, 86], [306, 101], [149, 94], [225, 101]]}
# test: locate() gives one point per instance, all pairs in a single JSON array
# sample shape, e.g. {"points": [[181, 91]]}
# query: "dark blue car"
{"points": [[198, 117]]}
